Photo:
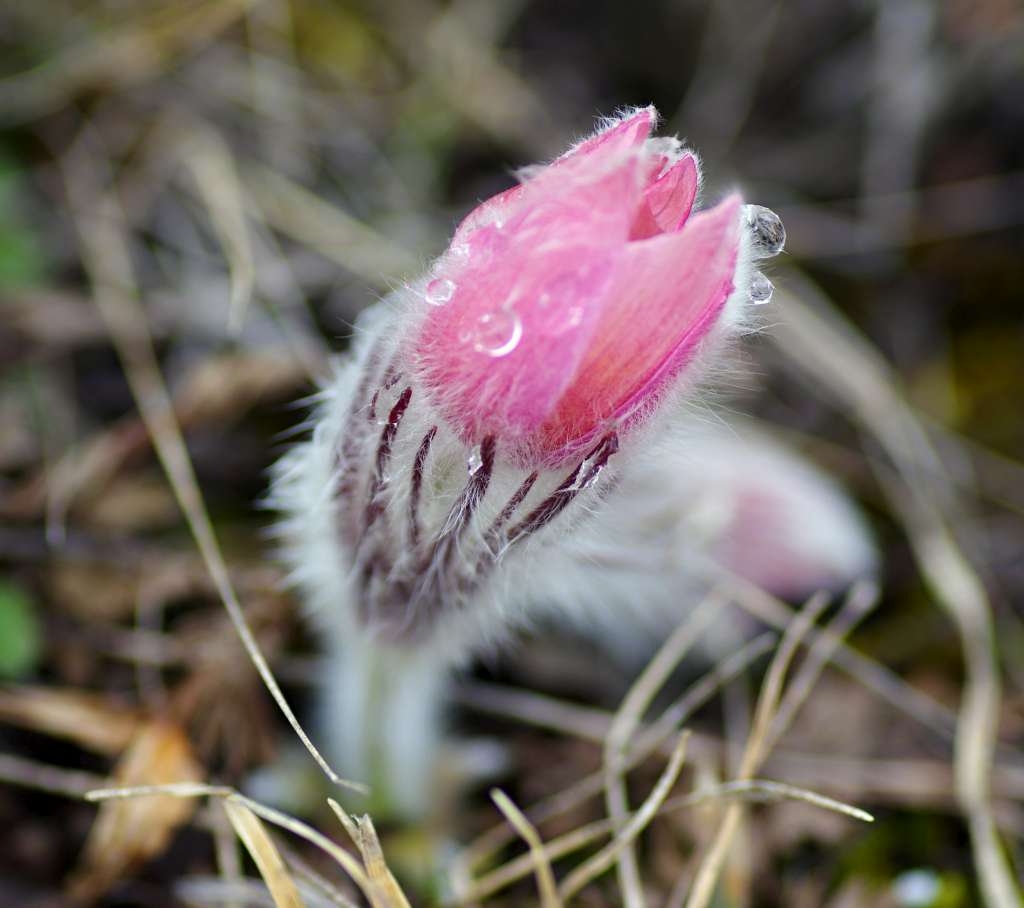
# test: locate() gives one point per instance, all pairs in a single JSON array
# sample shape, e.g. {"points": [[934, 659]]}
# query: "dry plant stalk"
{"points": [[625, 723], [261, 848], [212, 166], [818, 342], [538, 856], [346, 861], [384, 889], [648, 742], [707, 874], [755, 790], [600, 862], [107, 261]]}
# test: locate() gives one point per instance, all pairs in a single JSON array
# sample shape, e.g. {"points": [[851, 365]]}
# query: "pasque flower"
{"points": [[487, 451]]}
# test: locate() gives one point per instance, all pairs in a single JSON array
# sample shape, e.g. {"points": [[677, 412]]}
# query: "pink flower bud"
{"points": [[566, 307], [493, 422]]}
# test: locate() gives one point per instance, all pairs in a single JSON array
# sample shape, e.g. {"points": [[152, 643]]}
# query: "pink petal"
{"points": [[592, 155], [668, 200], [527, 297], [630, 132], [665, 297], [498, 357]]}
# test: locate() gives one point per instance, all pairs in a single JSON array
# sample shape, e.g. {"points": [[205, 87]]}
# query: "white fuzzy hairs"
{"points": [[414, 551]]}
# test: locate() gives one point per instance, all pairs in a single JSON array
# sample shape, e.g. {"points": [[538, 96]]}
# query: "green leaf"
{"points": [[22, 258], [20, 637]]}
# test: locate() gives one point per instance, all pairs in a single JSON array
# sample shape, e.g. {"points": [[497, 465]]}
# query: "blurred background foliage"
{"points": [[271, 167]]}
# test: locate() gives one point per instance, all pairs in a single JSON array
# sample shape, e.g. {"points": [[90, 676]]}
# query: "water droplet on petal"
{"points": [[564, 319], [761, 289], [497, 333], [474, 461], [768, 234], [560, 313], [573, 317], [439, 291]]}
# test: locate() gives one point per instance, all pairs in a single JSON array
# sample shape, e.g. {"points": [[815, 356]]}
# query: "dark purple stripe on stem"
{"points": [[374, 506], [475, 489], [493, 533], [417, 484], [585, 473]]}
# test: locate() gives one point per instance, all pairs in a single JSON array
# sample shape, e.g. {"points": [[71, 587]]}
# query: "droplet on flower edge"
{"points": [[439, 291], [474, 461], [497, 333], [768, 233], [761, 289]]}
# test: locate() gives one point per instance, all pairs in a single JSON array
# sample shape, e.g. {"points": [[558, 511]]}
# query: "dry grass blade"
{"points": [[771, 691], [585, 722], [384, 889], [347, 862], [650, 740], [199, 891], [871, 674], [107, 261], [767, 790], [541, 865], [625, 723], [314, 886], [832, 353], [956, 586], [760, 790], [265, 855], [860, 600], [225, 849], [319, 225], [600, 862], [213, 168], [71, 783], [729, 668], [525, 864]]}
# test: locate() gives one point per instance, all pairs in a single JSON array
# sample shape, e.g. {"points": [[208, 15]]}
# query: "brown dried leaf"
{"points": [[90, 721], [130, 831]]}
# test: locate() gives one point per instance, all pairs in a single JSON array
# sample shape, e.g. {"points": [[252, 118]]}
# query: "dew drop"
{"points": [[768, 234], [562, 318], [761, 289], [439, 291], [474, 461], [573, 317], [497, 333], [560, 314]]}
